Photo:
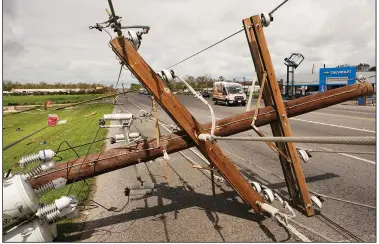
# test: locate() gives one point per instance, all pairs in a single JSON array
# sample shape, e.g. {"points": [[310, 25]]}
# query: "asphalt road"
{"points": [[184, 210]]}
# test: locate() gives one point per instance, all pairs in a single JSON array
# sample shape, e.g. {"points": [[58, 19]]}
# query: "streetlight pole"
{"points": [[243, 82], [292, 62]]}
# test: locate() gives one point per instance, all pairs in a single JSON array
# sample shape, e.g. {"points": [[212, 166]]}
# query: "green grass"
{"points": [[79, 129], [40, 99]]}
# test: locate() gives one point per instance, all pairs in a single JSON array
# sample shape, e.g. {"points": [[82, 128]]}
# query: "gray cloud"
{"points": [[50, 40], [9, 7]]}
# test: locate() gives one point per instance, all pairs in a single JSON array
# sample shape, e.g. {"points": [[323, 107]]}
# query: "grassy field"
{"points": [[39, 99], [81, 127]]}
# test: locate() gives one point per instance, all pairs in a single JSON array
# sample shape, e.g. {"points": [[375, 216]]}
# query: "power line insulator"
{"points": [[266, 19], [134, 38], [167, 75]]}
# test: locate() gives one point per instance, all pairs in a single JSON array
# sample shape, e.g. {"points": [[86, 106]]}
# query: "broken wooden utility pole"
{"points": [[292, 170], [114, 159], [183, 118]]}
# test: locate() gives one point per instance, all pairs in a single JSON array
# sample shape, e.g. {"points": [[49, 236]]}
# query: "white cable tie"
{"points": [[205, 137], [269, 209], [165, 155]]}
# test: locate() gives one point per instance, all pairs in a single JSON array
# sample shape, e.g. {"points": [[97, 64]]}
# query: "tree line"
{"points": [[8, 85], [361, 67], [198, 83]]}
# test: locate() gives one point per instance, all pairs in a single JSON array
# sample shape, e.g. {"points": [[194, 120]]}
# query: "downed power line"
{"points": [[114, 159]]}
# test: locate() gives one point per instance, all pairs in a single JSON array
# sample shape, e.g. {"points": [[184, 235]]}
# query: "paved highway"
{"points": [[184, 210]]}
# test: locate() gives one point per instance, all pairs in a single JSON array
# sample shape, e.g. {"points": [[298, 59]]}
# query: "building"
{"points": [[331, 78], [7, 92], [31, 91]]}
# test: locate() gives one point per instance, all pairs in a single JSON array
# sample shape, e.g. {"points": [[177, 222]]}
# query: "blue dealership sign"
{"points": [[336, 76]]}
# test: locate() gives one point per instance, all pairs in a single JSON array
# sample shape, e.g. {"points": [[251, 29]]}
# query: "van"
{"points": [[228, 93], [142, 91]]}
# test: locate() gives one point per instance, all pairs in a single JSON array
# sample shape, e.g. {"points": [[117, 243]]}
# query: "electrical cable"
{"points": [[281, 218], [23, 111], [311, 230], [133, 123], [276, 8], [82, 145], [343, 200], [98, 204], [24, 138], [287, 108], [206, 48], [160, 121], [68, 171], [266, 171], [77, 155], [197, 186], [282, 178], [324, 151], [341, 228], [291, 228], [85, 183], [108, 33], [60, 158], [70, 147], [119, 75], [111, 208]]}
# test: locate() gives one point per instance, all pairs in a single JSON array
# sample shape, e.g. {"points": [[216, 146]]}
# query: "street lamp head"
{"points": [[294, 60]]}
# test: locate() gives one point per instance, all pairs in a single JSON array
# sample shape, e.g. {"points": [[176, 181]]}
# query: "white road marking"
{"points": [[358, 158], [333, 125], [346, 116], [351, 156], [368, 238]]}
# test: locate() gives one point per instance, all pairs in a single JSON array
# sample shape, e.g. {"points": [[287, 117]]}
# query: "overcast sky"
{"points": [[50, 41]]}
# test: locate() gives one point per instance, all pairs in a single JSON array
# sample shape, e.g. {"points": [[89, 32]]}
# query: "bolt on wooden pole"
{"points": [[272, 97]]}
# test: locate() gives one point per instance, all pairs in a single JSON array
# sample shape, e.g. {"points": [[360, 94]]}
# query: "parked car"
{"points": [[205, 94]]}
